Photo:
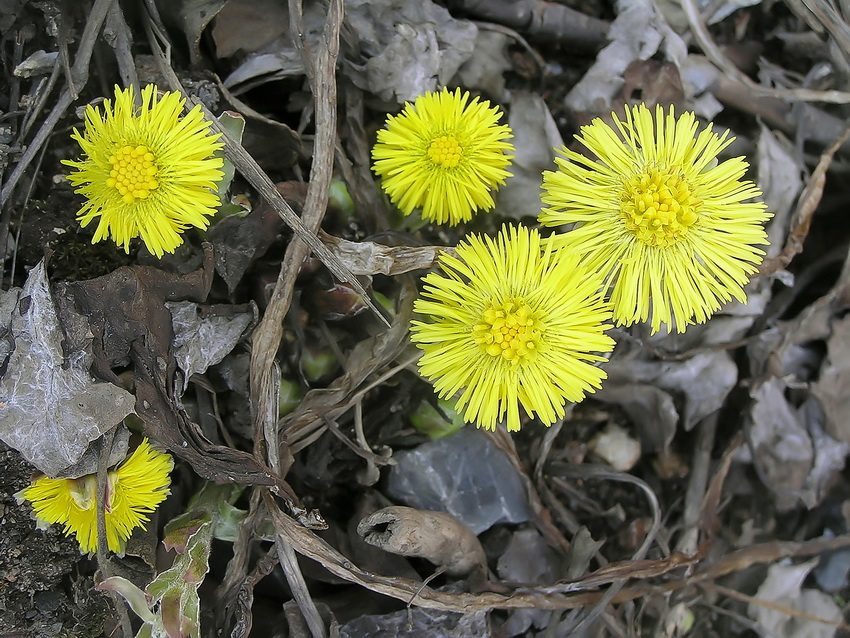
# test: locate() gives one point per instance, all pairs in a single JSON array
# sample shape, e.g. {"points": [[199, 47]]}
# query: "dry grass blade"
{"points": [[298, 586]]}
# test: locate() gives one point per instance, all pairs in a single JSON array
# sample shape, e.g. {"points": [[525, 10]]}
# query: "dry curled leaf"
{"points": [[435, 536], [369, 258]]}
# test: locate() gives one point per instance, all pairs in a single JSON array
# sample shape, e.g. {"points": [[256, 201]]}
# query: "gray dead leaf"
{"points": [[411, 47], [192, 16], [419, 621], [39, 63], [529, 560], [831, 388], [781, 447], [701, 384], [830, 456], [783, 586], [780, 179], [637, 33], [705, 380], [278, 56], [50, 407], [486, 68], [247, 26], [699, 76], [259, 68], [202, 341], [651, 409], [535, 137], [582, 550]]}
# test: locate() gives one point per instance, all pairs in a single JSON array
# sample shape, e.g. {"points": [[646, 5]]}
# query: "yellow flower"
{"points": [[657, 214], [135, 488], [443, 154], [146, 171], [511, 325]]}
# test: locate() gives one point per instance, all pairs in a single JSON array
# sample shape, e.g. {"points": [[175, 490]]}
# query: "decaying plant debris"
{"points": [[700, 492]]}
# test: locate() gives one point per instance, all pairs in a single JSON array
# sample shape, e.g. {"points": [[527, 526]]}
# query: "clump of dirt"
{"points": [[46, 585]]}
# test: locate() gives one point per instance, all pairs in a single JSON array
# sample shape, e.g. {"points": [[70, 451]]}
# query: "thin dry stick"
{"points": [[713, 53], [79, 78], [305, 542], [117, 34], [697, 483], [267, 336]]}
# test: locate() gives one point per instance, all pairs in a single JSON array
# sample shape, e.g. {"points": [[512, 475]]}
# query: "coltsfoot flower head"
{"points": [[146, 171], [135, 488], [444, 154], [511, 324], [669, 227]]}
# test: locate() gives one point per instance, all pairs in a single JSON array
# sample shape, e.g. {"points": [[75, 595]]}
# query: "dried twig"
{"points": [[697, 483], [305, 542], [78, 78], [267, 336], [117, 34], [713, 53], [543, 20]]}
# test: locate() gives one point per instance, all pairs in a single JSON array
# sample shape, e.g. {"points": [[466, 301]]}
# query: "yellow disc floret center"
{"points": [[659, 206], [445, 151], [133, 173], [509, 330]]}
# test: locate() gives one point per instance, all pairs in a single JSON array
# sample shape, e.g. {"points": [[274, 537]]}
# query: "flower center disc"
{"points": [[509, 330], [445, 151], [133, 173], [658, 207]]}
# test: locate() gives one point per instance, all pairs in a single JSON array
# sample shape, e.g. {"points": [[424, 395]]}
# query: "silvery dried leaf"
{"points": [[51, 408]]}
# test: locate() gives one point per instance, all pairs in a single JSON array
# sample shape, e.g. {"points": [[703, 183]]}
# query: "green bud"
{"points": [[317, 363], [436, 422], [290, 396]]}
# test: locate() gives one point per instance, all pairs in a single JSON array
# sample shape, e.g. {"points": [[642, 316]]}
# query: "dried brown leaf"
{"points": [[435, 536]]}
